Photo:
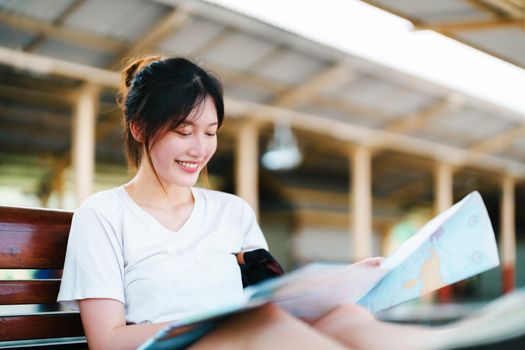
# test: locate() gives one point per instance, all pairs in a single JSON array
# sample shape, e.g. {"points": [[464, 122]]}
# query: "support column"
{"points": [[444, 198], [508, 234], [83, 142], [361, 202], [58, 181], [247, 164], [444, 187]]}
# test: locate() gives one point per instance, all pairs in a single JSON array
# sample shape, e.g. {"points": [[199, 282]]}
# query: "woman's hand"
{"points": [[374, 261], [240, 258]]}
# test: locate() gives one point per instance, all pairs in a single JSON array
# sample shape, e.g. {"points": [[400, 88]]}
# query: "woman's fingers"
{"points": [[375, 261]]}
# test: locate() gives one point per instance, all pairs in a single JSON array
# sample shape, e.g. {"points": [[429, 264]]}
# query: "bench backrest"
{"points": [[34, 239]]}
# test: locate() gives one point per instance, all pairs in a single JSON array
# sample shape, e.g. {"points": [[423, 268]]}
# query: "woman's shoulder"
{"points": [[101, 213], [103, 201]]}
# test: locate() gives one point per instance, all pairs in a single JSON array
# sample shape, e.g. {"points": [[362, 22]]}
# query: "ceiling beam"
{"points": [[374, 138], [250, 79], [338, 72], [396, 159], [318, 144], [216, 40], [507, 7], [482, 6], [275, 55], [59, 32], [68, 11], [48, 65], [413, 121], [500, 141], [161, 30], [331, 102], [470, 26]]}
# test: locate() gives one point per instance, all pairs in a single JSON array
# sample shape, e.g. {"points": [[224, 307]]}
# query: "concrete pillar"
{"points": [[361, 202], [247, 164], [444, 198], [508, 234], [83, 142]]}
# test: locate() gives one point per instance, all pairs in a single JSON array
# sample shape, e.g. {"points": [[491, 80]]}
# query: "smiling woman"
{"points": [[153, 249]]}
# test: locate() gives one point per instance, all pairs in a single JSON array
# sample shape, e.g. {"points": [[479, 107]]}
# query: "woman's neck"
{"points": [[147, 190]]}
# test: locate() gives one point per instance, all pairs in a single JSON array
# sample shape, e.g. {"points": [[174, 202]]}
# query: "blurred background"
{"points": [[347, 128]]}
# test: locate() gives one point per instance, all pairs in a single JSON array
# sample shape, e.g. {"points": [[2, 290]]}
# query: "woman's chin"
{"points": [[187, 181]]}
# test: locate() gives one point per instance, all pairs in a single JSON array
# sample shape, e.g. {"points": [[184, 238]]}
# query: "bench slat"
{"points": [[40, 326], [29, 292], [59, 344], [33, 238]]}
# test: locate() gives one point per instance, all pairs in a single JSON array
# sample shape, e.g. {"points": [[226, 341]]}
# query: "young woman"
{"points": [[157, 249]]}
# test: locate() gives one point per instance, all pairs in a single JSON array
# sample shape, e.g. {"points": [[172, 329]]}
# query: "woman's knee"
{"points": [[341, 317], [241, 330], [271, 313]]}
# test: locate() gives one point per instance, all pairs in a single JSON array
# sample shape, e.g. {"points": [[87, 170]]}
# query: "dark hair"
{"points": [[157, 94]]}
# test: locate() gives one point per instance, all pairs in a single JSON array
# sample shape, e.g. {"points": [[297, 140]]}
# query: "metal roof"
{"points": [[494, 26], [274, 70]]}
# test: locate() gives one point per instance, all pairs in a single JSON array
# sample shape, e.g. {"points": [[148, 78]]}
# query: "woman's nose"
{"points": [[198, 147]]}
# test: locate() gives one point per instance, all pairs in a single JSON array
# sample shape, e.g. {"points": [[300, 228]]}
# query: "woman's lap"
{"points": [[266, 328]]}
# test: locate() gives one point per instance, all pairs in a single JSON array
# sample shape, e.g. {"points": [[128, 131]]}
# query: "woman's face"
{"points": [[181, 154]]}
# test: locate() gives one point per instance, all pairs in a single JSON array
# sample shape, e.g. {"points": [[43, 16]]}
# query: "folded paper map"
{"points": [[457, 244]]}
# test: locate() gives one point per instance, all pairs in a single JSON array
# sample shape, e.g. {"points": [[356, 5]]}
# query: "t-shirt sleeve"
{"points": [[253, 236], [94, 264]]}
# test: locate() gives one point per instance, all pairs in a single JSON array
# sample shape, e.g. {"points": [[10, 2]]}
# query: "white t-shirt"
{"points": [[117, 250]]}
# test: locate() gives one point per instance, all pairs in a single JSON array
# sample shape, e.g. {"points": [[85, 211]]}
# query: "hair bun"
{"points": [[135, 66]]}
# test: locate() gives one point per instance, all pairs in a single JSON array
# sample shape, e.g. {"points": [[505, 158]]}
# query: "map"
{"points": [[462, 245]]}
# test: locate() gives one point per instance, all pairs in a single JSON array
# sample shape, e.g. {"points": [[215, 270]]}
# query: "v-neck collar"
{"points": [[144, 213]]}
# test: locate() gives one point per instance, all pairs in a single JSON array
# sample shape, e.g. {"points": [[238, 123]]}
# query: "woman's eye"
{"points": [[211, 133], [182, 133]]}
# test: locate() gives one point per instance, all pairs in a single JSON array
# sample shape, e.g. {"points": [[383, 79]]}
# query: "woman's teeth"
{"points": [[188, 165]]}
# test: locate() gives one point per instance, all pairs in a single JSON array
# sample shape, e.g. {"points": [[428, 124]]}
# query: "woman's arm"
{"points": [[105, 326]]}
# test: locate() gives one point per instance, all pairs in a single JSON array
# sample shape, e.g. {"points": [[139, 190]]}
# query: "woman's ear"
{"points": [[136, 132]]}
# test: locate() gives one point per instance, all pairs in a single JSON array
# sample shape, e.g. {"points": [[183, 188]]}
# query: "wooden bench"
{"points": [[35, 239]]}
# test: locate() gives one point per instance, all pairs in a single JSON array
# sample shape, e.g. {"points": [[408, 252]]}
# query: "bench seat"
{"points": [[35, 239]]}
